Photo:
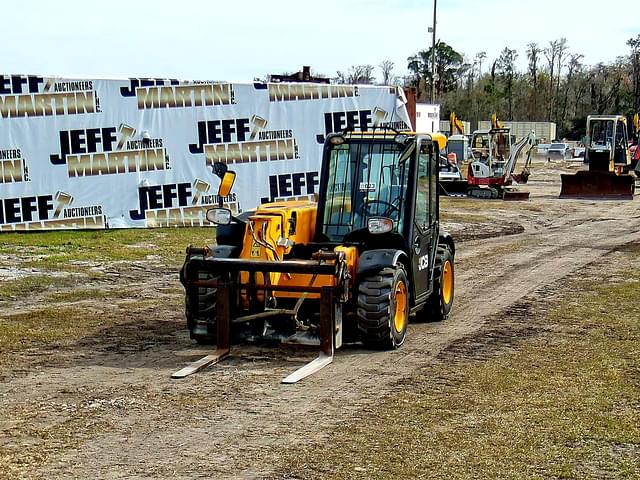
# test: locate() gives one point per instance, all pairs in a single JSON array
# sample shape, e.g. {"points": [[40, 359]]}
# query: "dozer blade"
{"points": [[597, 185]]}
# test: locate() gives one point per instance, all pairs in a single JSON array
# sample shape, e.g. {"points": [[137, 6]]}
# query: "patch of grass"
{"points": [[77, 295], [563, 405], [58, 248], [21, 287], [46, 326]]}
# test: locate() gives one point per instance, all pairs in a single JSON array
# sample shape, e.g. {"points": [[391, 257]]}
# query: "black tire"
{"points": [[200, 310], [383, 308], [440, 302]]}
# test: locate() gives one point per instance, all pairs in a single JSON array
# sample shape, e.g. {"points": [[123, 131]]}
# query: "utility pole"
{"points": [[433, 55]]}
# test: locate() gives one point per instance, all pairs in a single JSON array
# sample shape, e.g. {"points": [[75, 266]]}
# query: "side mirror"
{"points": [[408, 151], [219, 216], [226, 184], [227, 179]]}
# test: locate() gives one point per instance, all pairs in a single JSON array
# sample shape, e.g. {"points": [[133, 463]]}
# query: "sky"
{"points": [[244, 39]]}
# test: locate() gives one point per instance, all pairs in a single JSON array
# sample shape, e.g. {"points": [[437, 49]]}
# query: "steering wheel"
{"points": [[390, 207]]}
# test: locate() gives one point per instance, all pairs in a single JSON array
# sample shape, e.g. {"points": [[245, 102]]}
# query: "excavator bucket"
{"points": [[594, 184], [453, 188], [515, 195]]}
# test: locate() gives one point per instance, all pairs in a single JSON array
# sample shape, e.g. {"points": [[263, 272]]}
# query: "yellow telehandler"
{"points": [[352, 267]]}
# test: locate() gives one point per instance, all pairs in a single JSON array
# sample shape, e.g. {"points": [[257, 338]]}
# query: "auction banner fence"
{"points": [[94, 154]]}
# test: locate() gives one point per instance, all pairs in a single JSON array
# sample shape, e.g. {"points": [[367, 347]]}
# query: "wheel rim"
{"points": [[447, 282], [400, 311]]}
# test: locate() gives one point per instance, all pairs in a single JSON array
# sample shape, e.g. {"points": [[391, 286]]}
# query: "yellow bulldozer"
{"points": [[607, 153], [351, 267]]}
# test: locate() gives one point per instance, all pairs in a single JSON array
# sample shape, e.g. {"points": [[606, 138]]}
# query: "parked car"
{"points": [[559, 151]]}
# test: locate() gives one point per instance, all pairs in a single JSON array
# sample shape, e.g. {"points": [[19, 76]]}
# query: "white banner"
{"points": [[138, 152]]}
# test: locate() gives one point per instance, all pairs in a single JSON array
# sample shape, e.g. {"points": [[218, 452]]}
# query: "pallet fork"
{"points": [[331, 300]]}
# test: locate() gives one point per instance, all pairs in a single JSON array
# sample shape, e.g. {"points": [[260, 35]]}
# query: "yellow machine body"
{"points": [[271, 233]]}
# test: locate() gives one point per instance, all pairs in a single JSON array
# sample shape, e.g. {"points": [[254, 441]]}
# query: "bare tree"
{"points": [[506, 66], [552, 54], [479, 57], [634, 44], [561, 49], [357, 74], [533, 55], [574, 66], [386, 66]]}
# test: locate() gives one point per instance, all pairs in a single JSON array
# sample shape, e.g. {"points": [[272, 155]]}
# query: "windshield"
{"points": [[556, 146], [364, 180], [601, 133]]}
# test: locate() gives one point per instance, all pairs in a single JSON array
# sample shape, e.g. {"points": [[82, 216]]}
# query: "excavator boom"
{"points": [[455, 125], [509, 175]]}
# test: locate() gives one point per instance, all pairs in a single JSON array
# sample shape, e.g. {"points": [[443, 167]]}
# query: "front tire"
{"points": [[383, 308], [200, 310]]}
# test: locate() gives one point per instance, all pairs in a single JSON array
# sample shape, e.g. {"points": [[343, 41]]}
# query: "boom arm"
{"points": [[495, 123], [455, 125], [516, 150]]}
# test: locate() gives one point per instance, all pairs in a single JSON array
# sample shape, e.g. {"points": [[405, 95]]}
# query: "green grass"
{"points": [[21, 287], [57, 249], [57, 254], [93, 294], [563, 405], [45, 326]]}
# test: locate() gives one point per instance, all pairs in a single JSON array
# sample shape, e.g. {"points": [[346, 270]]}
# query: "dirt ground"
{"points": [[106, 407]]}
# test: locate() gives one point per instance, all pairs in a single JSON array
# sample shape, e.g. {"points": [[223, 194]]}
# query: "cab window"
{"points": [[422, 188]]}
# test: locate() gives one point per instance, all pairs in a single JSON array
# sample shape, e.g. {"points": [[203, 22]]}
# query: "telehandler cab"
{"points": [[352, 267]]}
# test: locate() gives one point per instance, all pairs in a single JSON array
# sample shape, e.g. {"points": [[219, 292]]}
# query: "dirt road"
{"points": [[110, 410]]}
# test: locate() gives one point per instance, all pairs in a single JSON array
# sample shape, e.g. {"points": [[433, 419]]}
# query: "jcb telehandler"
{"points": [[352, 267]]}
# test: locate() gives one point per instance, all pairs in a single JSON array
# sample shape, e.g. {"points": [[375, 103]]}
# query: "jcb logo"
{"points": [[423, 262]]}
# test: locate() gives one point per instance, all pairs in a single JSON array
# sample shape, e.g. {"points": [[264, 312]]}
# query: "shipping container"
{"points": [[444, 127], [545, 131]]}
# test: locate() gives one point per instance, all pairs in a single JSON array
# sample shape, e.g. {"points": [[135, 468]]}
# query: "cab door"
{"points": [[424, 241]]}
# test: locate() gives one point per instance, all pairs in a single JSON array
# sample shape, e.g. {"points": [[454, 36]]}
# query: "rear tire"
{"points": [[200, 310], [383, 308], [441, 300]]}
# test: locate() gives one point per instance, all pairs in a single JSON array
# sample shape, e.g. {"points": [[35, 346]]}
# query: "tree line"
{"points": [[556, 86]]}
